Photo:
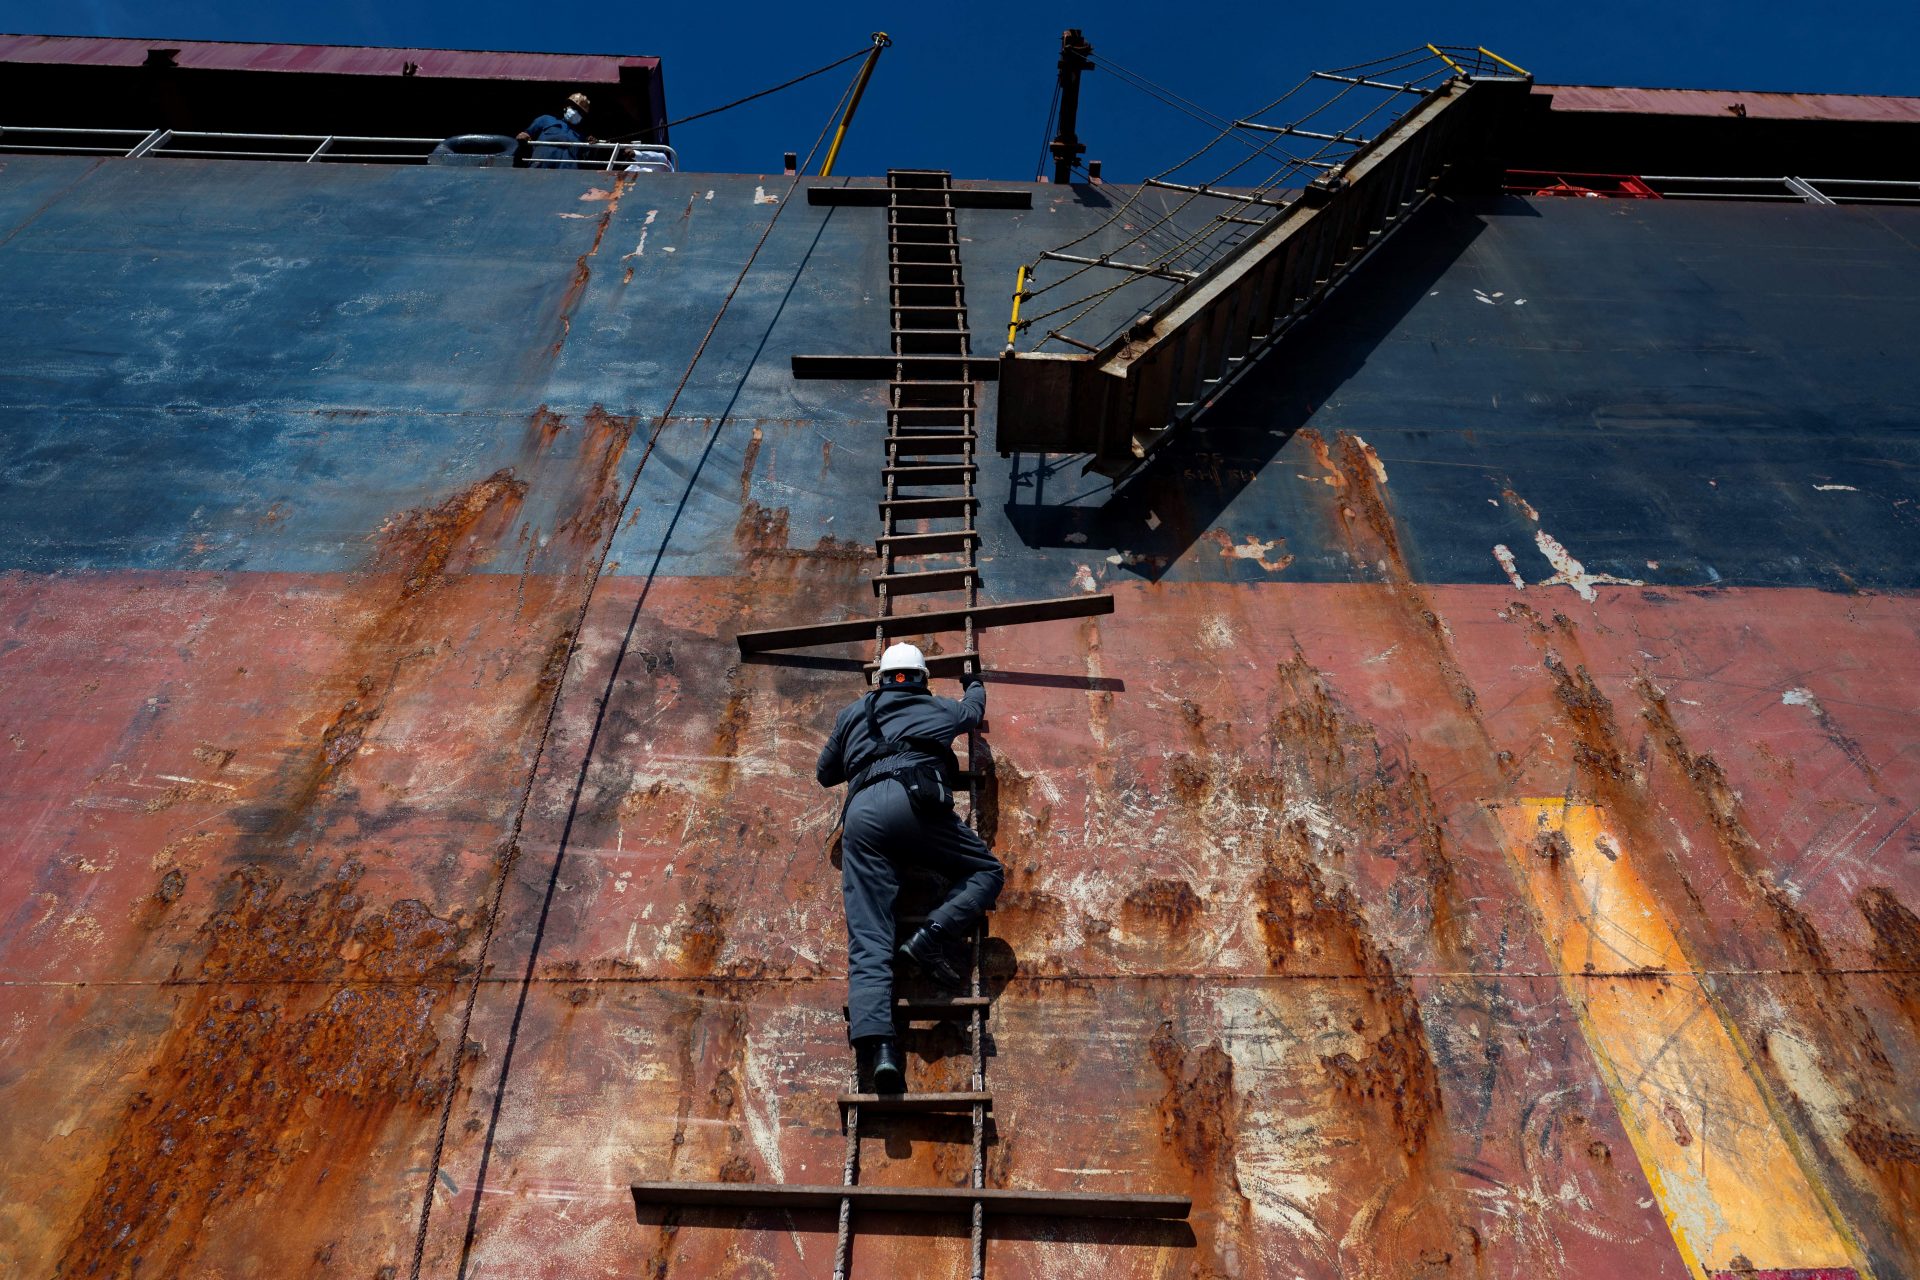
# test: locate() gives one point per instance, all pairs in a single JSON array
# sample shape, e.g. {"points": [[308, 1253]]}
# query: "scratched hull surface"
{"points": [[1477, 844]]}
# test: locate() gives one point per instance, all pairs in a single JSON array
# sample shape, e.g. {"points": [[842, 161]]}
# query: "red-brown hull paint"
{"points": [[1359, 1062]]}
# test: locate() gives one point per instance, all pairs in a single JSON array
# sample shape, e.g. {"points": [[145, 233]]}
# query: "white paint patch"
{"points": [[1282, 1154], [709, 194], [1153, 520], [1801, 698], [1507, 562], [1083, 579], [639, 250], [1835, 488], [1254, 549], [760, 196], [763, 1120], [1215, 633], [196, 782], [1077, 539], [1571, 572], [1799, 1064]]}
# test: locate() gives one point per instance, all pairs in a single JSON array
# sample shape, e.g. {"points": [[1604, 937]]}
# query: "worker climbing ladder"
{"points": [[930, 475], [929, 544]]}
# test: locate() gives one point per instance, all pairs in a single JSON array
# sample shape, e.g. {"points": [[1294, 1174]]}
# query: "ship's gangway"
{"points": [[1120, 400]]}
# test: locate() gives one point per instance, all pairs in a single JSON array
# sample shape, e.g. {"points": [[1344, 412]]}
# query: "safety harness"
{"points": [[921, 765]]}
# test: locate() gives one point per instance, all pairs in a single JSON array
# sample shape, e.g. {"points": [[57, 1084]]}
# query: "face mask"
{"points": [[570, 116]]}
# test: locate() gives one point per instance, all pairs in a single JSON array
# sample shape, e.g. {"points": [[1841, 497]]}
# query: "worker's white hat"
{"points": [[902, 657]]}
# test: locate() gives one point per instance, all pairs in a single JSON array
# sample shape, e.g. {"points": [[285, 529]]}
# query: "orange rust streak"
{"points": [[308, 1027], [275, 1091]]}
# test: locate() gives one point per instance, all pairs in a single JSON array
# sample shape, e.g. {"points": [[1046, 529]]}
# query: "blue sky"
{"points": [[966, 86]]}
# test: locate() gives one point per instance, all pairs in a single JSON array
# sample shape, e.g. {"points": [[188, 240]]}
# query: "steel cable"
{"points": [[511, 854], [787, 84], [1053, 110]]}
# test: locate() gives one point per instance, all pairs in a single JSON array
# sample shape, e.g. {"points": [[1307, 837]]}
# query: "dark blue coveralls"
{"points": [[553, 129], [884, 834]]}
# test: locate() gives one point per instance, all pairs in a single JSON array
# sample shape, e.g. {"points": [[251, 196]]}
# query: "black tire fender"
{"points": [[476, 149]]}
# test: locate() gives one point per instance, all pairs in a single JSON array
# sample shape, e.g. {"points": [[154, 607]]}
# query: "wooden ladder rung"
{"points": [[939, 1006], [933, 443], [942, 665], [916, 1101], [907, 584], [931, 473], [933, 1008], [927, 508], [926, 544]]}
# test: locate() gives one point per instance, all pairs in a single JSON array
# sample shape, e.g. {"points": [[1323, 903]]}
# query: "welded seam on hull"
{"points": [[1140, 975]]}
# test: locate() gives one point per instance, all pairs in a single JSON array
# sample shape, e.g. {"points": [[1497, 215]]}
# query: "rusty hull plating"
{"points": [[1419, 911]]}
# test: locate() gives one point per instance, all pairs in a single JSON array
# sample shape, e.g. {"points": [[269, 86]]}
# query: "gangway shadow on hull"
{"points": [[1153, 515]]}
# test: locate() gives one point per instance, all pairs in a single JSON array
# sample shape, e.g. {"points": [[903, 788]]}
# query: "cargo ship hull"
{"points": [[1479, 842]]}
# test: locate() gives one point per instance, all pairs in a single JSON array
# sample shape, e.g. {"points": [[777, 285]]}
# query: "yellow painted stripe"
{"points": [[1724, 1172]]}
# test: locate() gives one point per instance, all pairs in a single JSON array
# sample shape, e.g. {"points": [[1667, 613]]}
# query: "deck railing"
{"points": [[1653, 186], [306, 148]]}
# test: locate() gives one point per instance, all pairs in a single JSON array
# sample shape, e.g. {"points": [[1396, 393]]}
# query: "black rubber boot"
{"points": [[926, 951], [881, 1070]]}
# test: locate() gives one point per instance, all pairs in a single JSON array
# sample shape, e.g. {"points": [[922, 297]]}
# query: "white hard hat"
{"points": [[902, 657]]}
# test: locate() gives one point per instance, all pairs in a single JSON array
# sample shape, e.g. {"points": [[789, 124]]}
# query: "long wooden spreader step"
{"points": [[997, 1201], [932, 622]]}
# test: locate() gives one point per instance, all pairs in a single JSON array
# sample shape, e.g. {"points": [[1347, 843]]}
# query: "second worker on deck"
{"points": [[893, 747]]}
